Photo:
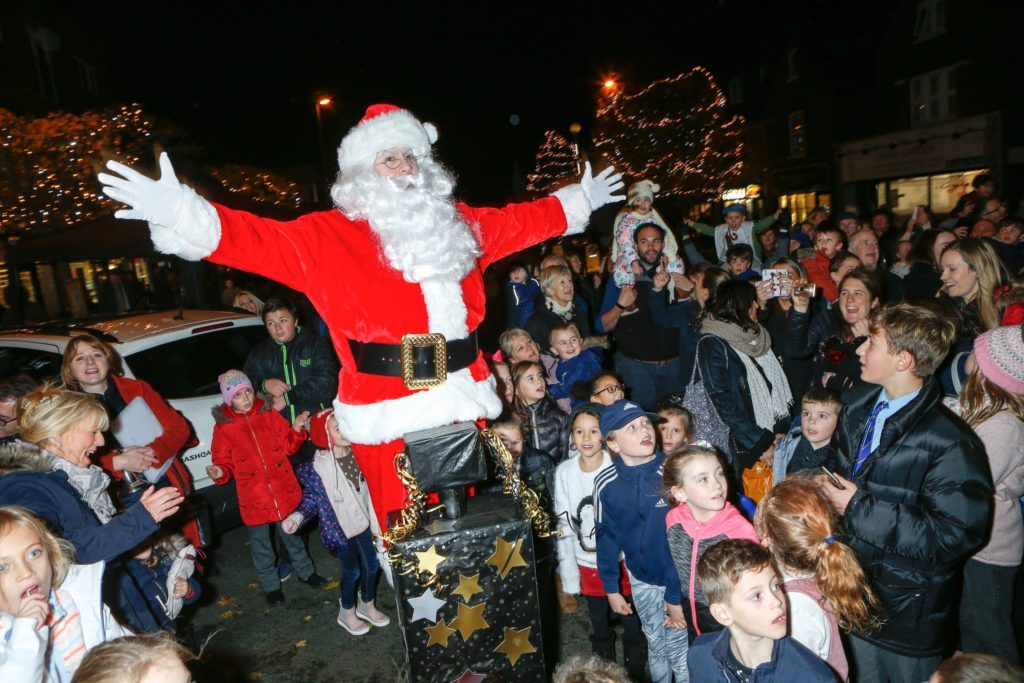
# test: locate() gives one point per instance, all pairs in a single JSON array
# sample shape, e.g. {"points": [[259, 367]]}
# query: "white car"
{"points": [[181, 358]]}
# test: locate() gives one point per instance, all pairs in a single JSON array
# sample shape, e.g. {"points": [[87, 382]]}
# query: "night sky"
{"points": [[241, 76]]}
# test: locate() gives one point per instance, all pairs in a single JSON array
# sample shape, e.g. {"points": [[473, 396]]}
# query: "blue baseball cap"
{"points": [[737, 208], [620, 414], [802, 237]]}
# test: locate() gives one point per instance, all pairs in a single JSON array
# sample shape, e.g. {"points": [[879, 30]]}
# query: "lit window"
{"points": [[931, 20], [933, 96], [797, 134]]}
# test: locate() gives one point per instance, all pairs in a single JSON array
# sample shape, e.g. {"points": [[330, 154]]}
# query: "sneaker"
{"points": [[369, 612], [348, 620], [285, 571], [274, 597], [314, 580]]}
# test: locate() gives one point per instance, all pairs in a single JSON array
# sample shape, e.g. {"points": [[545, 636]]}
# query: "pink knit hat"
{"points": [[999, 354]]}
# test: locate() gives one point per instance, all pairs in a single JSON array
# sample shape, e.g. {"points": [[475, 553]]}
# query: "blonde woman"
{"points": [[59, 427]]}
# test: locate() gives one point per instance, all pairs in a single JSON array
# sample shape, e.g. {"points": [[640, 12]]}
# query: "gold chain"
{"points": [[512, 485], [408, 522]]}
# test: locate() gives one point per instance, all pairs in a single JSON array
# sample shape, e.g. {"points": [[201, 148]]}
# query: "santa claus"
{"points": [[397, 262]]}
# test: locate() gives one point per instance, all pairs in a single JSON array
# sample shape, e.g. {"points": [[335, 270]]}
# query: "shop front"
{"points": [[931, 166]]}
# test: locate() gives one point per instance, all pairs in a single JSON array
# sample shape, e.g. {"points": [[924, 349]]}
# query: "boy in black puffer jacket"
{"points": [[917, 491]]}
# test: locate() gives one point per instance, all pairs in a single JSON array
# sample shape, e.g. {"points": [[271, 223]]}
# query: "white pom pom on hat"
{"points": [[642, 188], [384, 127]]}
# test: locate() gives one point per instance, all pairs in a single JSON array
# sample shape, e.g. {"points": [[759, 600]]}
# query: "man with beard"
{"points": [[396, 257], [646, 356]]}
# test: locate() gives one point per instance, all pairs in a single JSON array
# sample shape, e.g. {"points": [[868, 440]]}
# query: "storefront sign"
{"points": [[740, 194], [918, 151]]}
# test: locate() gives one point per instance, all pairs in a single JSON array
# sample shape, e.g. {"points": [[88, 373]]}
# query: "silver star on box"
{"points": [[425, 606]]}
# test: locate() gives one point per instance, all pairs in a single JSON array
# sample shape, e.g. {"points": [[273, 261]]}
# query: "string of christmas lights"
{"points": [[676, 131], [50, 166], [557, 163]]}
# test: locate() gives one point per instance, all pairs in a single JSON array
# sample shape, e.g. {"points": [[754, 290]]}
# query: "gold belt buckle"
{"points": [[413, 341]]}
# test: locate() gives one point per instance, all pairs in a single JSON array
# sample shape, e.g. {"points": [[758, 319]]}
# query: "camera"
{"points": [[805, 288]]}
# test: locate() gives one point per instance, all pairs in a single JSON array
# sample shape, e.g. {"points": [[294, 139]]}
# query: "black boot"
{"points": [[634, 655], [604, 647]]}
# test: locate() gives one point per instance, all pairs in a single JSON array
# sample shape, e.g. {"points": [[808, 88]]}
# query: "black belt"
{"points": [[421, 360]]}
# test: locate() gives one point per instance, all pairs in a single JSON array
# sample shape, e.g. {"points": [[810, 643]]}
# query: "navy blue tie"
{"points": [[869, 434]]}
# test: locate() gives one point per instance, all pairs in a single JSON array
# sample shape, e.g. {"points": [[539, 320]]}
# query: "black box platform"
{"points": [[481, 622]]}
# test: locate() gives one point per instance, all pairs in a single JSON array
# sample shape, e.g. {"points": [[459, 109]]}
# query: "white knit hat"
{"points": [[642, 188], [384, 127]]}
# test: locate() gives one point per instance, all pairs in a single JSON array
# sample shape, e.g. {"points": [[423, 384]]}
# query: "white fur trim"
{"points": [[576, 207], [397, 129], [446, 309], [196, 234], [460, 399]]}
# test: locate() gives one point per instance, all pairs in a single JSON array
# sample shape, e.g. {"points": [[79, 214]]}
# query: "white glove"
{"points": [[599, 188], [158, 202], [291, 523]]}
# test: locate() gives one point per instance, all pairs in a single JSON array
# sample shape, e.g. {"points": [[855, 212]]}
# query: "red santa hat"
{"points": [[384, 127], [319, 434]]}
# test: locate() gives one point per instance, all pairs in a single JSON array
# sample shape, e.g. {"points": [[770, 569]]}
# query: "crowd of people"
{"points": [[800, 457], [781, 453]]}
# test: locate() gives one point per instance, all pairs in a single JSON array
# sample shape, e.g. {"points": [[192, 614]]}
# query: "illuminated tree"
{"points": [[676, 131], [50, 166], [557, 163]]}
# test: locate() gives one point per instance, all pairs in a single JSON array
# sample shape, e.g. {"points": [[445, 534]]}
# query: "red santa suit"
{"points": [[339, 264]]}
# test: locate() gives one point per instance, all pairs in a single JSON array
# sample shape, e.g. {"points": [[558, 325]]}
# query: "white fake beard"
{"points": [[422, 234]]}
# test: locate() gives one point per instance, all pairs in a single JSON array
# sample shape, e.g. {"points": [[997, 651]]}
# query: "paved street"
{"points": [[300, 640]]}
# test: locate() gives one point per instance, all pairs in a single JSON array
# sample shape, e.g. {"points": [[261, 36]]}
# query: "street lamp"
{"points": [[321, 102], [575, 129]]}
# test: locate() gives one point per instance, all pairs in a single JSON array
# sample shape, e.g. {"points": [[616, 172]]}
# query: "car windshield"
{"points": [[188, 368]]}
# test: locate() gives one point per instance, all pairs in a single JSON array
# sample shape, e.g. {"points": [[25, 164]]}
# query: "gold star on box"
{"points": [[429, 560], [506, 556], [470, 620], [516, 644], [439, 634], [468, 587]]}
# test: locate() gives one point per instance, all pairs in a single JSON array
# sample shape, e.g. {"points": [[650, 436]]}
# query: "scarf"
{"points": [[67, 641], [90, 482], [352, 518], [769, 389], [566, 313]]}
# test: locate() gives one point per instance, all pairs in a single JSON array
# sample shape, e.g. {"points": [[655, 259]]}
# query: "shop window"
{"points": [[946, 189], [797, 134], [931, 20], [933, 96], [940, 192], [801, 204]]}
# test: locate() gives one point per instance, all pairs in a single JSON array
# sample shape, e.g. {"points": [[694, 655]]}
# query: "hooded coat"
{"points": [[26, 479], [253, 448]]}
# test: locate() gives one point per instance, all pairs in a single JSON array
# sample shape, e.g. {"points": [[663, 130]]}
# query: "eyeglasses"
{"points": [[393, 161], [611, 389], [4, 421]]}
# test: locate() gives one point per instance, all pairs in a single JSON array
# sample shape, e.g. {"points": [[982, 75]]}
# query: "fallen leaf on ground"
{"points": [[308, 617], [230, 614], [255, 676], [252, 587], [301, 643], [331, 585], [226, 600]]}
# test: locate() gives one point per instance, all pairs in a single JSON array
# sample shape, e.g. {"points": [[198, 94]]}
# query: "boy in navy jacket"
{"points": [[630, 519], [743, 591]]}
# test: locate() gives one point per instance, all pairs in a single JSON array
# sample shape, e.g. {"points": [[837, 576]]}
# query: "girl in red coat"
{"points": [[252, 443]]}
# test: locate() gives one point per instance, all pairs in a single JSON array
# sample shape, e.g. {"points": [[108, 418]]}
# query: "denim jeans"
{"points": [[359, 566], [986, 610], [648, 382], [666, 647], [872, 664], [261, 545]]}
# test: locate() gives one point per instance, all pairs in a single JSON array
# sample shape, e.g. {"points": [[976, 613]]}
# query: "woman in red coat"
{"points": [[94, 367]]}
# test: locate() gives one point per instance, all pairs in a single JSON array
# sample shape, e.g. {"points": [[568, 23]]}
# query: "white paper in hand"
{"points": [[136, 425]]}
